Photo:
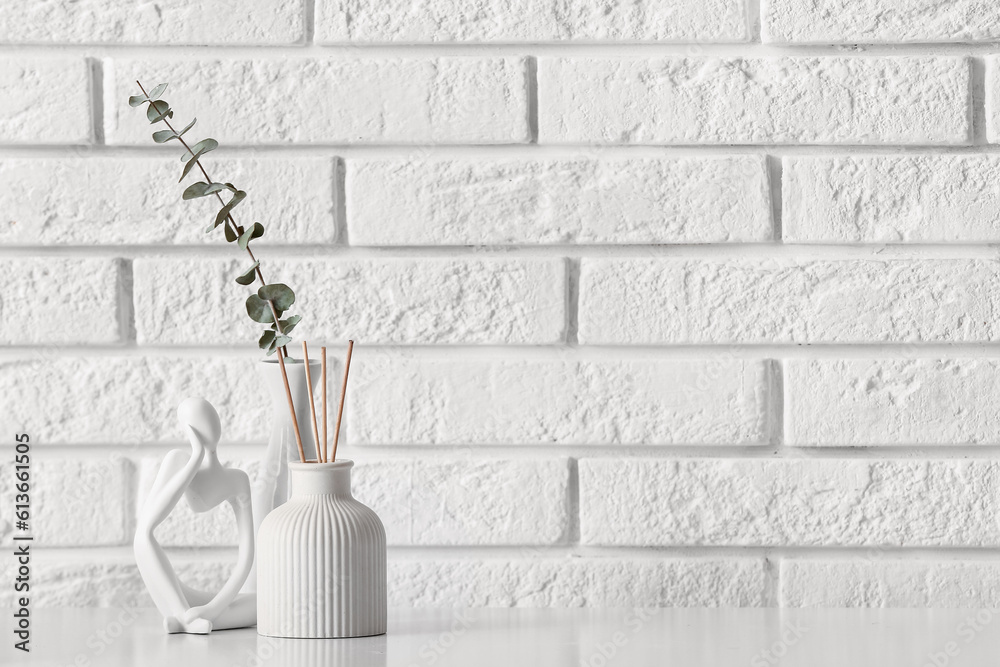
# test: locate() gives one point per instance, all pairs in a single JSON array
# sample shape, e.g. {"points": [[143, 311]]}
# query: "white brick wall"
{"points": [[681, 303]]}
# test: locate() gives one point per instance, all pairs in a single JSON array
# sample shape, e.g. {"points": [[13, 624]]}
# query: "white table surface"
{"points": [[524, 637]]}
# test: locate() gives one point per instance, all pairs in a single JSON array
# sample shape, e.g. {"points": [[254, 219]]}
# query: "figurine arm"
{"points": [[244, 523], [169, 487]]}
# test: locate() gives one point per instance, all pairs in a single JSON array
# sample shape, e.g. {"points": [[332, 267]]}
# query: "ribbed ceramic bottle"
{"points": [[321, 560]]}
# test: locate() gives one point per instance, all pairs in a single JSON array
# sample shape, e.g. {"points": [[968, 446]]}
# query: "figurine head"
{"points": [[200, 415]]}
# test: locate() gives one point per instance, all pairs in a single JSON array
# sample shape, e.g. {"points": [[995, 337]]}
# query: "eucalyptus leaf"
{"points": [[279, 293], [238, 196], [195, 190], [202, 147], [163, 136], [258, 310], [247, 277], [155, 93], [255, 232], [231, 234], [188, 167], [218, 187], [136, 100], [189, 126], [157, 111], [266, 340], [281, 341], [271, 349], [289, 324]]}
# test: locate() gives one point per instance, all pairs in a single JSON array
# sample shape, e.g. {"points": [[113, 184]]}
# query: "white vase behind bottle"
{"points": [[270, 487], [321, 560]]}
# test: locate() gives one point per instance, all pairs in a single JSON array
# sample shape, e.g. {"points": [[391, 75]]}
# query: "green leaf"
{"points": [[157, 111], [279, 293], [247, 277], [289, 324], [195, 190], [230, 234], [266, 340], [219, 187], [155, 93], [254, 232], [136, 100], [281, 341], [258, 310], [200, 148], [163, 136], [189, 126], [188, 167], [238, 196]]}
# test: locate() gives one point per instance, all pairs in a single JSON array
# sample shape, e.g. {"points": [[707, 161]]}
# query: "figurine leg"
{"points": [[156, 571], [241, 612]]}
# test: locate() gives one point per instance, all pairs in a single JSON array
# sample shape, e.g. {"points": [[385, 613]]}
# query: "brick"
{"points": [[55, 300], [64, 491], [878, 21], [364, 100], [339, 21], [527, 502], [576, 582], [129, 200], [642, 301], [420, 501], [992, 99], [891, 199], [883, 581], [828, 100], [577, 200], [169, 22], [422, 301], [861, 402], [532, 580], [35, 95], [475, 402], [789, 502], [129, 400]]}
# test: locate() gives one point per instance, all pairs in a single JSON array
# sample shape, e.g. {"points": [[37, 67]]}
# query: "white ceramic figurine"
{"points": [[206, 483]]}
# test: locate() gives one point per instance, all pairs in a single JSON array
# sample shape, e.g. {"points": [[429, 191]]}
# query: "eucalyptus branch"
{"points": [[267, 306]]}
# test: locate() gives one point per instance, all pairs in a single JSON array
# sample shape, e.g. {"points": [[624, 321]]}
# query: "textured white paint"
{"points": [[879, 21], [55, 300], [73, 503], [35, 94], [137, 200], [164, 22], [863, 402], [527, 21], [876, 579], [781, 300], [380, 301], [827, 100], [581, 200], [920, 198], [524, 402], [329, 100], [790, 502]]}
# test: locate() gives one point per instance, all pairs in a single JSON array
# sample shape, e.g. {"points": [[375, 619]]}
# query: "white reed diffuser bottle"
{"points": [[321, 560]]}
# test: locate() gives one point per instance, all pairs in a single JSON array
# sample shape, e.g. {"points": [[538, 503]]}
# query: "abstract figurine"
{"points": [[206, 483]]}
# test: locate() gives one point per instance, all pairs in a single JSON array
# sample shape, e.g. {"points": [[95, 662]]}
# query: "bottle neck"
{"points": [[332, 479]]}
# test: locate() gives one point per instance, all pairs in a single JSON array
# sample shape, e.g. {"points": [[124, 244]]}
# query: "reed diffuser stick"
{"points": [[312, 402], [343, 394], [323, 367], [291, 406]]}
